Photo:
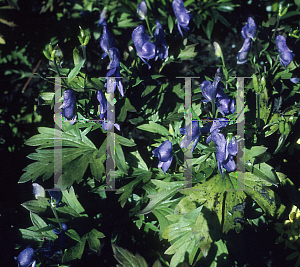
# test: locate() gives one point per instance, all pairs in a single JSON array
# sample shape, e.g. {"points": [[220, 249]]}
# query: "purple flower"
{"points": [[248, 33], [103, 17], [47, 249], [165, 155], [225, 104], [295, 80], [114, 71], [106, 125], [242, 56], [285, 54], [214, 127], [209, 89], [26, 258], [183, 18], [249, 30], [107, 41], [69, 106], [142, 10], [195, 136], [103, 103], [160, 42], [145, 49], [61, 234], [225, 151], [56, 194]]}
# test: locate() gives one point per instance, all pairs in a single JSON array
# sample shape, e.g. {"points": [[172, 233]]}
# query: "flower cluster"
{"points": [[248, 33]]}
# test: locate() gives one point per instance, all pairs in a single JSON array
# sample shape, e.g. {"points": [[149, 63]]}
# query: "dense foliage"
{"points": [[157, 133]]}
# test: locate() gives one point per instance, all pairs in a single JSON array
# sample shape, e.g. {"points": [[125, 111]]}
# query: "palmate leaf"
{"points": [[223, 210], [74, 153], [127, 259]]}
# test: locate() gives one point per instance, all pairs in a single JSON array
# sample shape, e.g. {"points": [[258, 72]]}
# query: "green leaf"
{"points": [[120, 158], [71, 200], [38, 205], [32, 235], [75, 71], [124, 141], [127, 259], [292, 255], [154, 128], [209, 28], [93, 239], [39, 223], [158, 198], [74, 252], [76, 56], [73, 234], [188, 53]]}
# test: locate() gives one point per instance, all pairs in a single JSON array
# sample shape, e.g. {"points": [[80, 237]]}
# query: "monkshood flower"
{"points": [[208, 89], [145, 49], [114, 71], [69, 106], [214, 127], [56, 195], [225, 104], [242, 56], [249, 30], [225, 151], [142, 10], [248, 33], [103, 103], [107, 41], [182, 15], [103, 17], [285, 54], [295, 80], [160, 42], [106, 125], [26, 258], [61, 234], [38, 190], [165, 155], [195, 136]]}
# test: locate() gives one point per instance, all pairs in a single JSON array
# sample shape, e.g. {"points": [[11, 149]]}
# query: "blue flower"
{"points": [[295, 80], [69, 106], [285, 54], [103, 17], [242, 56], [47, 249], [248, 33], [165, 155], [56, 194], [183, 18], [38, 190], [114, 71], [145, 49], [61, 234], [214, 127], [225, 151], [249, 30], [195, 136], [142, 10], [26, 258], [107, 41], [160, 42], [106, 125], [225, 104], [208, 89]]}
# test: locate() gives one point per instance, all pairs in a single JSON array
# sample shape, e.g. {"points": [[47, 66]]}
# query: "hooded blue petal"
{"points": [[26, 258], [242, 56], [165, 155], [225, 104], [249, 30], [195, 136], [107, 41], [285, 54], [103, 103], [183, 18], [160, 43], [142, 10], [102, 17], [145, 49], [56, 194], [69, 106]]}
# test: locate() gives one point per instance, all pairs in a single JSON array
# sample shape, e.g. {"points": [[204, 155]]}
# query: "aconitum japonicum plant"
{"points": [[26, 258], [69, 106], [285, 54], [182, 15], [248, 32], [165, 155], [145, 49]]}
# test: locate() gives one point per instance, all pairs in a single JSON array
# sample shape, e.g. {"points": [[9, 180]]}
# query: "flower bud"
{"points": [[142, 10], [218, 50]]}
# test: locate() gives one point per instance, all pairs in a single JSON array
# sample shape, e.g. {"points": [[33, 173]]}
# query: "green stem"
{"points": [[85, 65], [147, 22], [213, 107], [56, 216], [277, 25], [258, 110], [58, 72]]}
